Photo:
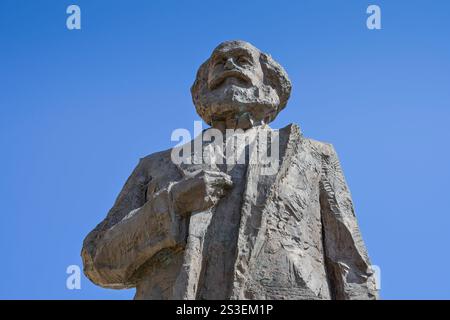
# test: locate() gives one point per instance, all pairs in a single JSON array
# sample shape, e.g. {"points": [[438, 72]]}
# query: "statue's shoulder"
{"points": [[323, 148], [156, 162], [293, 131]]}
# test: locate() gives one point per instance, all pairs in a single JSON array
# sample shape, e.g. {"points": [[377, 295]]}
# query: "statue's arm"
{"points": [[135, 228], [138, 226], [347, 262]]}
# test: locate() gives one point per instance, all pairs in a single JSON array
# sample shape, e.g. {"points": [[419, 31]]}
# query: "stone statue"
{"points": [[205, 228]]}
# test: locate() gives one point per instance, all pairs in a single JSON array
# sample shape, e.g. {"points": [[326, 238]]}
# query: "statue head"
{"points": [[239, 81]]}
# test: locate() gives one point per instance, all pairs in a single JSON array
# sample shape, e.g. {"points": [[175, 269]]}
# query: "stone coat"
{"points": [[290, 235]]}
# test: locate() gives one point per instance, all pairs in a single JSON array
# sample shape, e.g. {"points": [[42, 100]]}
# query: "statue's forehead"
{"points": [[235, 47]]}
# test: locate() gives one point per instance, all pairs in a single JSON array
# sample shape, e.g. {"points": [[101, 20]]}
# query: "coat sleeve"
{"points": [[136, 227], [347, 263]]}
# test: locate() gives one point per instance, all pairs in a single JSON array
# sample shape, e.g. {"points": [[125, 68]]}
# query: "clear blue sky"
{"points": [[79, 108]]}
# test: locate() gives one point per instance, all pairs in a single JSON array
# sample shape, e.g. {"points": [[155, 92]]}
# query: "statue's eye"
{"points": [[243, 60], [220, 62]]}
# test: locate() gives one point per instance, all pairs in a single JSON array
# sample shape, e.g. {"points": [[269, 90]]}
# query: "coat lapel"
{"points": [[260, 189]]}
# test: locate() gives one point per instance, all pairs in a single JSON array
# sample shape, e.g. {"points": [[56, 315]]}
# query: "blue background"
{"points": [[79, 108]]}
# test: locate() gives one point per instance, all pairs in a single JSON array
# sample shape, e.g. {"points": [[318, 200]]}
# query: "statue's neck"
{"points": [[244, 121]]}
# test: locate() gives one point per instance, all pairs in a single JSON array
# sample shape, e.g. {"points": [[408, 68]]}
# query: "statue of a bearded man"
{"points": [[190, 224]]}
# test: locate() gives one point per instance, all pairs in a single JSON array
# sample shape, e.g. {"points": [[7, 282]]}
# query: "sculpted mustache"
{"points": [[227, 74]]}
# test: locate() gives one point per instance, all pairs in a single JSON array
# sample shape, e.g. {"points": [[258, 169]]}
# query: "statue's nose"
{"points": [[229, 65]]}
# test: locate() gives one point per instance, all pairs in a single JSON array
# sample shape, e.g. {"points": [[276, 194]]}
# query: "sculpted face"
{"points": [[234, 65], [239, 81]]}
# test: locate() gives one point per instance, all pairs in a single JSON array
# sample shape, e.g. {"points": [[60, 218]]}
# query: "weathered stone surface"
{"points": [[207, 230]]}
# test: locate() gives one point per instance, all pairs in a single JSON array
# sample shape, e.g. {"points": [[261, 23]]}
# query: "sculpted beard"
{"points": [[229, 99]]}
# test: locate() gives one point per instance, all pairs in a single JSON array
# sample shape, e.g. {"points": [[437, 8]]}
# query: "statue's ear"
{"points": [[276, 77], [198, 88]]}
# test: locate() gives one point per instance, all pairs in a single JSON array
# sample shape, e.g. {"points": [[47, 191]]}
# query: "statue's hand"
{"points": [[200, 191]]}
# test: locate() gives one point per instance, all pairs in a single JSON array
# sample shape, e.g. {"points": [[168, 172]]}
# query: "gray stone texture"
{"points": [[218, 231]]}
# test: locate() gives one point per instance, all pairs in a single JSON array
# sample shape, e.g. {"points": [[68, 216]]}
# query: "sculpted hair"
{"points": [[274, 76]]}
